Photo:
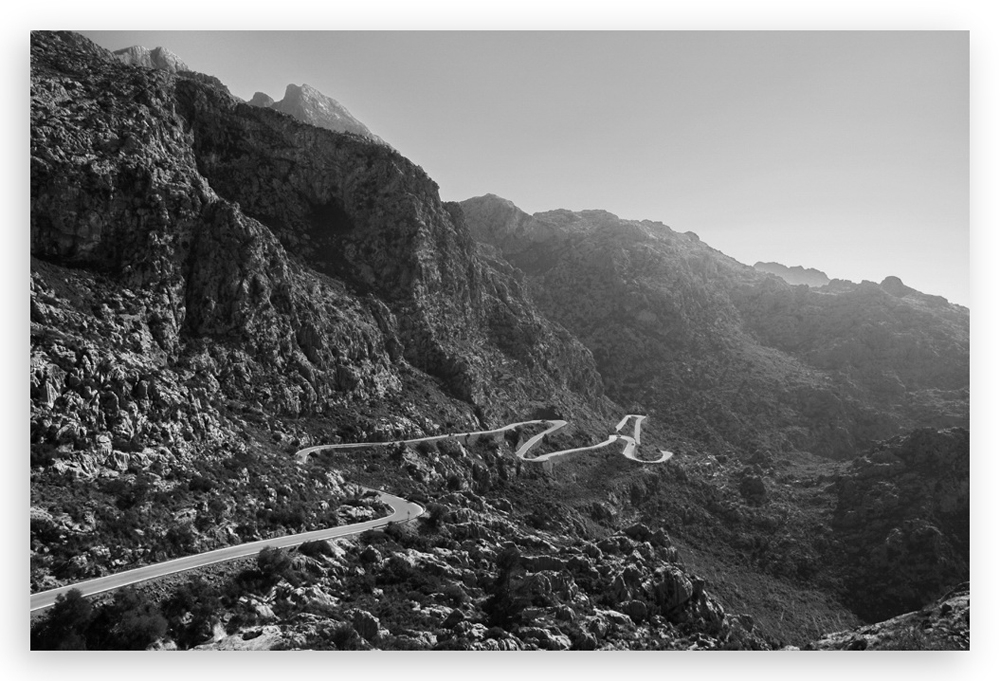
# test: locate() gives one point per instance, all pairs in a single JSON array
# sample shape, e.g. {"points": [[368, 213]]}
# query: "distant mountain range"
{"points": [[728, 353]]}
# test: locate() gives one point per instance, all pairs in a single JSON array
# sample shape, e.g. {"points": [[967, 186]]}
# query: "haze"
{"points": [[843, 151]]}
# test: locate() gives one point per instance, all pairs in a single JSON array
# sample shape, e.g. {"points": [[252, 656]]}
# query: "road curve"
{"points": [[303, 454], [402, 510]]}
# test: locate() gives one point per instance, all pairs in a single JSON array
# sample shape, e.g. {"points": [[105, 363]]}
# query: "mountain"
{"points": [[729, 355], [794, 275], [302, 102], [216, 285], [309, 105], [157, 58], [196, 260]]}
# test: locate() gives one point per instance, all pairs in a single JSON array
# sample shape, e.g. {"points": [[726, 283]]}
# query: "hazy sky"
{"points": [[843, 151]]}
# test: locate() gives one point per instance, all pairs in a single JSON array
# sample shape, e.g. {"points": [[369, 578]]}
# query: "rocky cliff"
{"points": [[216, 284], [157, 58], [309, 105], [203, 269], [733, 356]]}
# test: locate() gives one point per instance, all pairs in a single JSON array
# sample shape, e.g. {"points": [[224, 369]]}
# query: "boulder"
{"points": [[453, 618], [544, 638], [635, 609], [670, 589]]}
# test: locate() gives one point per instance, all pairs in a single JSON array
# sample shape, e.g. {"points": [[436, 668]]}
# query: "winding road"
{"points": [[402, 510]]}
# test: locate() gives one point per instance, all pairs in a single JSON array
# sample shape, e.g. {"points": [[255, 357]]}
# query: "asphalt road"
{"points": [[402, 510]]}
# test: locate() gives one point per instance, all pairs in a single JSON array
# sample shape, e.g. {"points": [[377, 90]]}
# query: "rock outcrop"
{"points": [[157, 58], [307, 104], [796, 275]]}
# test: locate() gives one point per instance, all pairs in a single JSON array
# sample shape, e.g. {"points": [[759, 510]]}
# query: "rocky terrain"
{"points": [[156, 58], [309, 105], [942, 625], [734, 357], [794, 275], [909, 499], [216, 284]]}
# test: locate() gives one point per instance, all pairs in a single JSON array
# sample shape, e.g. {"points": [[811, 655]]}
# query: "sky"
{"points": [[843, 151]]}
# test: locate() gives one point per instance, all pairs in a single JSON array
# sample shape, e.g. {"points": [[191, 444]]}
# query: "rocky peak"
{"points": [[157, 58], [262, 100], [794, 275], [309, 105], [495, 220]]}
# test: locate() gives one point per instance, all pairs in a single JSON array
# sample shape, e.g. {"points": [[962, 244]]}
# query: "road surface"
{"points": [[402, 510]]}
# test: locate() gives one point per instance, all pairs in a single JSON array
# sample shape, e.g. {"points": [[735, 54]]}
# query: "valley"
{"points": [[262, 339]]}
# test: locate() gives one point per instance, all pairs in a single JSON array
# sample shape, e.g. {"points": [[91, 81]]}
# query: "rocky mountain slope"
{"points": [[902, 522], [941, 625], [215, 285], [302, 102], [199, 263], [732, 356], [157, 58]]}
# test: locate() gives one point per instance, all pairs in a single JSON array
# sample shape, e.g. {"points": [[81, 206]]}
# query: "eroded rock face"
{"points": [[157, 58], [127, 166], [729, 355], [309, 105]]}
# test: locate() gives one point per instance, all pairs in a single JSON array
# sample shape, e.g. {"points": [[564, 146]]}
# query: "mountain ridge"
{"points": [[216, 285], [836, 368]]}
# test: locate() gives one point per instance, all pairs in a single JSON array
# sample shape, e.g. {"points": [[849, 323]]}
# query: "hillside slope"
{"points": [[729, 355], [203, 270], [216, 285]]}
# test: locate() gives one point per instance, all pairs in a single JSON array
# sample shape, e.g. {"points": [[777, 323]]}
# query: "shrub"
{"points": [[455, 595], [135, 622], [450, 448], [317, 548], [65, 626], [395, 533], [345, 637], [436, 514], [200, 483], [273, 563], [196, 598]]}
